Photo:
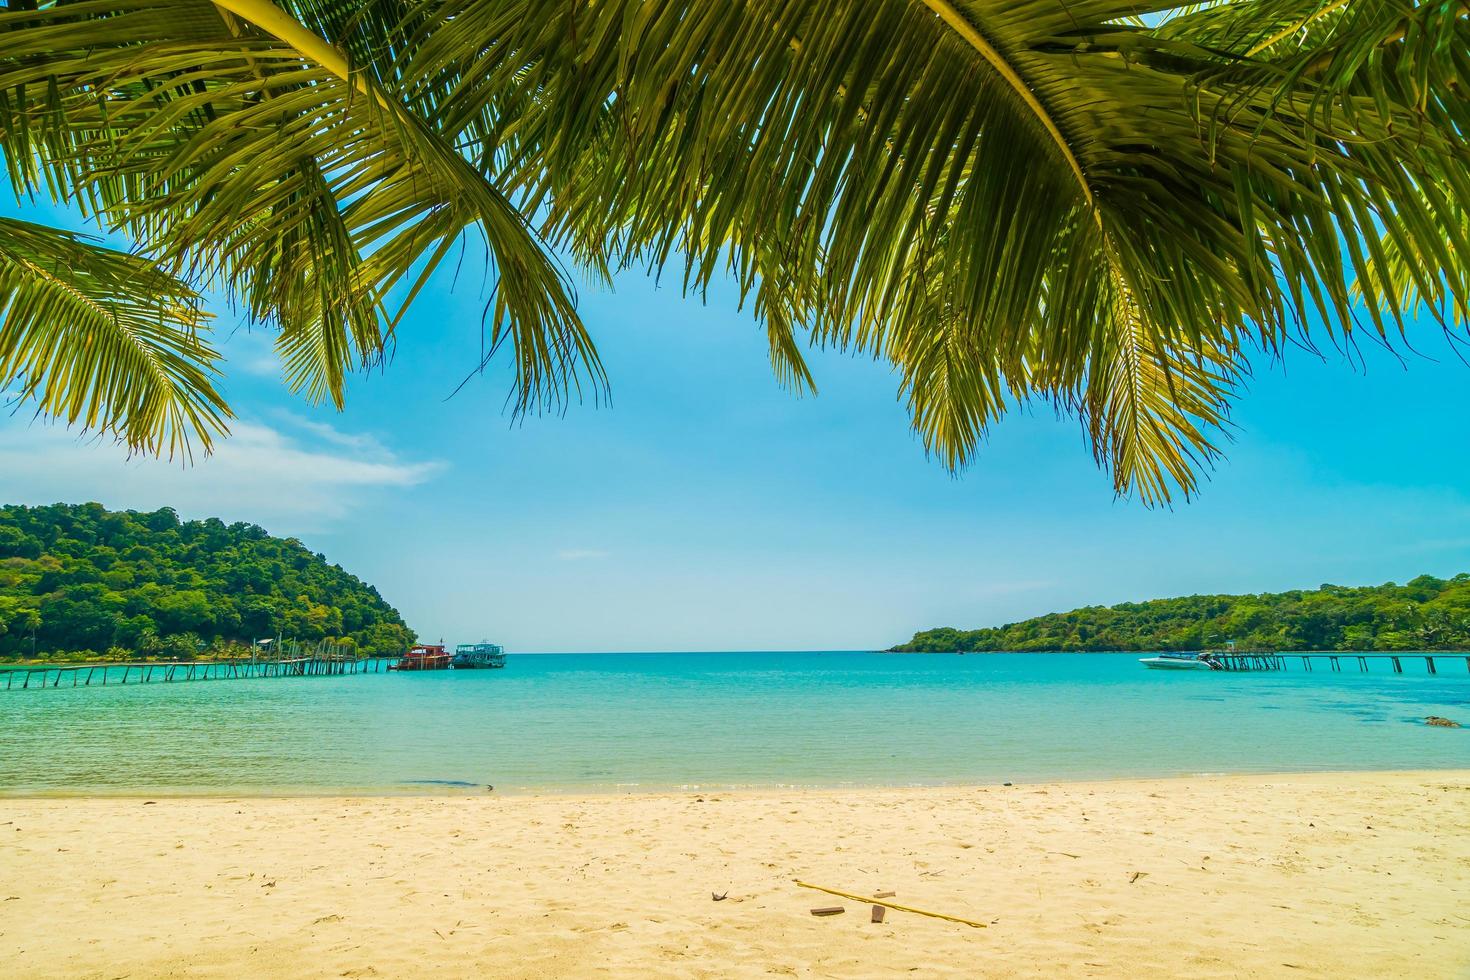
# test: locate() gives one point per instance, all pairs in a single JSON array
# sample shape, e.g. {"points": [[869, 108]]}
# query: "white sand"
{"points": [[1341, 875]]}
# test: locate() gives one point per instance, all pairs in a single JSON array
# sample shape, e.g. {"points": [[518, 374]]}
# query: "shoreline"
{"points": [[1308, 874], [599, 792]]}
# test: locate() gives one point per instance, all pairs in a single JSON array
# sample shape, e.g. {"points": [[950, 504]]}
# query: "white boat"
{"points": [[1180, 661]]}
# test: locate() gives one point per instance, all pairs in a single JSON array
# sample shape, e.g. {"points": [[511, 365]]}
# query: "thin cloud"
{"points": [[305, 479], [361, 443], [251, 351]]}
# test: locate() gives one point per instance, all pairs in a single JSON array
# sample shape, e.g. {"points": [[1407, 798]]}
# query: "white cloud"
{"points": [[250, 351], [299, 479], [362, 444], [580, 554]]}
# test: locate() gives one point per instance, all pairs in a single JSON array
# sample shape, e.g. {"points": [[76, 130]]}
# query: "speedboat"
{"points": [[1180, 661]]}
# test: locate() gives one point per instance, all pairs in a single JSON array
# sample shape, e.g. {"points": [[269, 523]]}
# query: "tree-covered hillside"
{"points": [[1425, 614], [79, 578]]}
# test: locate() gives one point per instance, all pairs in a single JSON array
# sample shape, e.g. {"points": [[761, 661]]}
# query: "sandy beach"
{"points": [[1330, 875]]}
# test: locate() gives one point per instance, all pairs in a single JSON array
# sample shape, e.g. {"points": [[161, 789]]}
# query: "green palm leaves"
{"points": [[1008, 201], [102, 339], [1094, 205], [239, 164]]}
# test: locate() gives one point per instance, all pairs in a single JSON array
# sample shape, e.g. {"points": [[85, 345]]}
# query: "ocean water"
{"points": [[648, 722]]}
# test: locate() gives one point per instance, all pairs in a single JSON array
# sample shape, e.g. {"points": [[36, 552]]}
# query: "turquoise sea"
{"points": [[645, 722]]}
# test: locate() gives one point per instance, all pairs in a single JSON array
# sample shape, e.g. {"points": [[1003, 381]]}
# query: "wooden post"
{"points": [[1398, 668]]}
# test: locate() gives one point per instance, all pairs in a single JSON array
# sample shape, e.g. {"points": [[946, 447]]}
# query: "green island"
{"points": [[1426, 613], [80, 582]]}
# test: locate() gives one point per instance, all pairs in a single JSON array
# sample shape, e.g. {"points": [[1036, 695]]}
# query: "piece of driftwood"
{"points": [[893, 905], [878, 912], [829, 910], [884, 894]]}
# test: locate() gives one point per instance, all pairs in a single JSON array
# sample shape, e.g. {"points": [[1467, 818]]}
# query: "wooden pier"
{"points": [[1310, 662], [319, 660]]}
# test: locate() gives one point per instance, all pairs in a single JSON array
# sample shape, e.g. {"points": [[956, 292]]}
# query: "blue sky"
{"points": [[708, 509]]}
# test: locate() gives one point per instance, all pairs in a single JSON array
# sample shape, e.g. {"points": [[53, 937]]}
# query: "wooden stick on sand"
{"points": [[894, 905]]}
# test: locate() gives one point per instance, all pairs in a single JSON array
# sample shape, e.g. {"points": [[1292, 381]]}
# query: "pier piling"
{"points": [[1277, 662], [322, 659]]}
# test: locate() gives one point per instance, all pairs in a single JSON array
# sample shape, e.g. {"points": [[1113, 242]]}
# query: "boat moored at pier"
{"points": [[1182, 661], [478, 656], [424, 656]]}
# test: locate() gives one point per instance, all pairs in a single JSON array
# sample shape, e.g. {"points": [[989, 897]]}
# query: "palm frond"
{"points": [[1099, 204], [960, 185], [1150, 408], [105, 341], [239, 162], [1401, 280]]}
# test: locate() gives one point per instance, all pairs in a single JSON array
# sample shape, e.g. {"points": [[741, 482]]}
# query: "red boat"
{"points": [[424, 656]]}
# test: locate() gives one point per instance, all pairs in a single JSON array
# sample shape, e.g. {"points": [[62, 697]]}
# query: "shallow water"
{"points": [[660, 721]]}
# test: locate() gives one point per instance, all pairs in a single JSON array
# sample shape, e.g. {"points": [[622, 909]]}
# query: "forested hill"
{"points": [[1425, 614], [79, 578]]}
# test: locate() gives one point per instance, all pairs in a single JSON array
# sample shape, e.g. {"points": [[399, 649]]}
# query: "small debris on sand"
{"points": [[829, 910]]}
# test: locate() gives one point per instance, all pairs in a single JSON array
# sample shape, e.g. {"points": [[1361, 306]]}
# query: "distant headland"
{"points": [[1426, 613], [78, 580]]}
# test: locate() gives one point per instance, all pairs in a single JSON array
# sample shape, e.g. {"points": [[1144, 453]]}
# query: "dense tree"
{"points": [[1427, 613], [81, 578]]}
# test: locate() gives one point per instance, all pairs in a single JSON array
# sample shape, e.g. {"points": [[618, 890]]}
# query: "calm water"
{"points": [[656, 721]]}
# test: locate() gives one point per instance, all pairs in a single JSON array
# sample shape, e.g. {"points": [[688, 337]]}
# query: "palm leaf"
{"points": [[1097, 204], [239, 162], [965, 187], [105, 341]]}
